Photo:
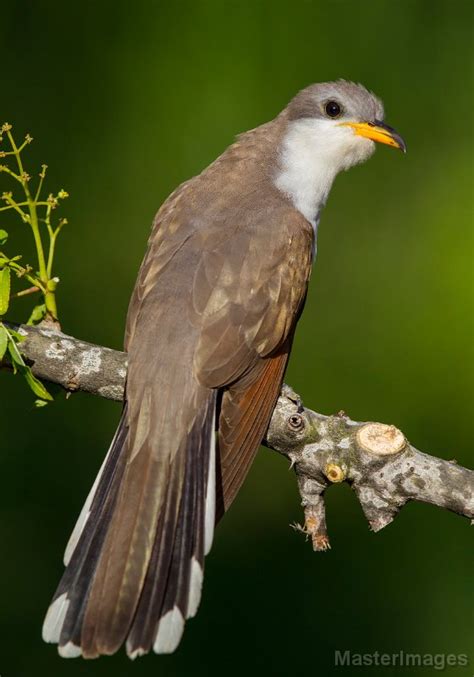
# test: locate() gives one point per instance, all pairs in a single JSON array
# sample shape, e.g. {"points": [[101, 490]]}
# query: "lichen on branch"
{"points": [[376, 459]]}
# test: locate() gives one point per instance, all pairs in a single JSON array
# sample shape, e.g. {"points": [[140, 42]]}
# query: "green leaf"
{"points": [[3, 341], [40, 403], [19, 365], [3, 236], [4, 290], [17, 360], [37, 314], [36, 386]]}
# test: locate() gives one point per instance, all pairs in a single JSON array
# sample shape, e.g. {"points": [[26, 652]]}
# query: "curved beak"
{"points": [[378, 131]]}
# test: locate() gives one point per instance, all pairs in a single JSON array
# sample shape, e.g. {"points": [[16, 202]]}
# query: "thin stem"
{"points": [[52, 239], [25, 292], [14, 205], [40, 185], [23, 272], [47, 219], [24, 204], [6, 153], [7, 170], [16, 153], [52, 244]]}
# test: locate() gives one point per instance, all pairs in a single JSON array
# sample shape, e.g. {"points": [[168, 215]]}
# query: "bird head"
{"points": [[329, 127], [342, 121]]}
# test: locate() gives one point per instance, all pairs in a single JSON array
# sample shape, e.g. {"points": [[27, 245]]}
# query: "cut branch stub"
{"points": [[334, 472], [381, 439]]}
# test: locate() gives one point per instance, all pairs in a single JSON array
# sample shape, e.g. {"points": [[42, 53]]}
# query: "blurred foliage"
{"points": [[128, 100]]}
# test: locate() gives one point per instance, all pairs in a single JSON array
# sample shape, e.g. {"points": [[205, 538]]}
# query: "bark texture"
{"points": [[376, 459]]}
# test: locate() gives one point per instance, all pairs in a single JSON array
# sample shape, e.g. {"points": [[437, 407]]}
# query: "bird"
{"points": [[209, 331]]}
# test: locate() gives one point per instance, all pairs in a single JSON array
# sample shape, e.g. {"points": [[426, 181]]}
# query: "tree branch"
{"points": [[382, 467], [379, 463]]}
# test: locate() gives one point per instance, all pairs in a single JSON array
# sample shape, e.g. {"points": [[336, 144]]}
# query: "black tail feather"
{"points": [[76, 581], [170, 572]]}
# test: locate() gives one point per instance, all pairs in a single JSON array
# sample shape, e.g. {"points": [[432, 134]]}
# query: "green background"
{"points": [[126, 100]]}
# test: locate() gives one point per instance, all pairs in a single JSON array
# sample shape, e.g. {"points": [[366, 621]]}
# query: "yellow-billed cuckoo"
{"points": [[209, 332]]}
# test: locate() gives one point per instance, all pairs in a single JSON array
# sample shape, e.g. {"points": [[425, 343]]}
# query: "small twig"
{"points": [[25, 292], [21, 204], [42, 176], [11, 204]]}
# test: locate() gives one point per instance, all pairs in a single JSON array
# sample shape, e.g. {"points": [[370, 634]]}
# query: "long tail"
{"points": [[134, 573]]}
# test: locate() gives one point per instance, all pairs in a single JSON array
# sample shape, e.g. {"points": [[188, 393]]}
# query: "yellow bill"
{"points": [[377, 131]]}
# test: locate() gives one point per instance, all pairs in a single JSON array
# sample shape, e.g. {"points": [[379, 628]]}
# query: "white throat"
{"points": [[312, 153]]}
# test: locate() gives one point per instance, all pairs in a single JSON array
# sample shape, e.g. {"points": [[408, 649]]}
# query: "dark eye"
{"points": [[333, 109]]}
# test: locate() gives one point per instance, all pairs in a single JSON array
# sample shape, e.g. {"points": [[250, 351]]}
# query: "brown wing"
{"points": [[248, 291], [249, 282]]}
